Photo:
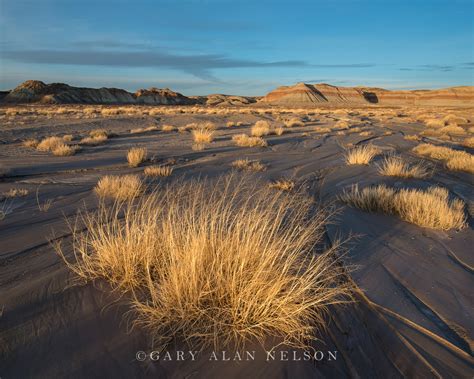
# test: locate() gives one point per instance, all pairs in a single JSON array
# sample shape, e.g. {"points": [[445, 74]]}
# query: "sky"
{"points": [[244, 47]]}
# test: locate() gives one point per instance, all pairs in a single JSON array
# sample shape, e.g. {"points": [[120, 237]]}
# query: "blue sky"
{"points": [[238, 47]]}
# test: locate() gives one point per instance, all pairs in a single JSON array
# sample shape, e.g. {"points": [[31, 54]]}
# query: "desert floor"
{"points": [[414, 315]]}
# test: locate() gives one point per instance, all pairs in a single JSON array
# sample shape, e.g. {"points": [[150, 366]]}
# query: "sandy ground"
{"points": [[413, 317]]}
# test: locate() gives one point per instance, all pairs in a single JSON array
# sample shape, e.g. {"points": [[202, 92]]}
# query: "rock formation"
{"points": [[303, 94]]}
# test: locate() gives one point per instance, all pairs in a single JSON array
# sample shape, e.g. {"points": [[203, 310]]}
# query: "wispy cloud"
{"points": [[199, 65]]}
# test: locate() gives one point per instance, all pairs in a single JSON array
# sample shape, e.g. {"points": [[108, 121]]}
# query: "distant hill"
{"points": [[303, 94]]}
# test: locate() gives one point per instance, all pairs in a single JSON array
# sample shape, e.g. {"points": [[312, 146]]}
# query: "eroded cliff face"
{"points": [[303, 94]]}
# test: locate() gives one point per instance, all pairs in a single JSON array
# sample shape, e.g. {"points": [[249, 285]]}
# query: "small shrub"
{"points": [[395, 166], [65, 150], [136, 156], [431, 208], [31, 143], [158, 171], [125, 187], [283, 184], [261, 128], [50, 143], [244, 140], [203, 135], [361, 155], [248, 165]]}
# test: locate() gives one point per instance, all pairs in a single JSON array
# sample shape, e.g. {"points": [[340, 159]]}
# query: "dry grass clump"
{"points": [[454, 159], [244, 140], [248, 165], [361, 154], [341, 125], [434, 123], [93, 141], [320, 129], [144, 130], [122, 188], [293, 122], [15, 192], [453, 119], [395, 166], [261, 128], [158, 170], [136, 156], [49, 144], [216, 264], [64, 150], [279, 131], [468, 142], [99, 133], [31, 143], [452, 130], [283, 185], [203, 135], [412, 137], [365, 133], [431, 208], [168, 128], [68, 137]]}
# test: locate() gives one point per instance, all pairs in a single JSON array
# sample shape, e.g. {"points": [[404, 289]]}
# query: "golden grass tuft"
{"points": [[168, 128], [468, 142], [93, 141], [136, 156], [261, 128], [434, 123], [15, 192], [203, 135], [293, 122], [216, 264], [361, 154], [283, 185], [244, 140], [248, 165], [64, 150], [158, 171], [49, 144], [431, 208], [279, 131], [320, 129], [412, 137], [341, 125], [395, 166], [121, 188], [454, 159], [452, 130], [99, 133], [31, 143]]}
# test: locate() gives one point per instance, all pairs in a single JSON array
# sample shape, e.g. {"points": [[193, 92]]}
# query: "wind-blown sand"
{"points": [[413, 316]]}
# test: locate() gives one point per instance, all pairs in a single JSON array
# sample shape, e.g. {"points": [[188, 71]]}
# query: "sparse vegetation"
{"points": [[64, 150], [431, 208], [122, 188], [259, 246], [158, 170], [361, 155], [395, 166], [203, 135], [469, 142], [454, 159], [50, 143], [283, 184], [261, 128], [93, 141], [294, 122], [31, 143], [248, 165], [168, 128], [136, 156], [244, 140]]}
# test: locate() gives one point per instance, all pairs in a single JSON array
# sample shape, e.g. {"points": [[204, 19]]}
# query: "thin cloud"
{"points": [[198, 65]]}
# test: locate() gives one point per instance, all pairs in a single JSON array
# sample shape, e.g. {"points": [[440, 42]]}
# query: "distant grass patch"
{"points": [[454, 159], [124, 187]]}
